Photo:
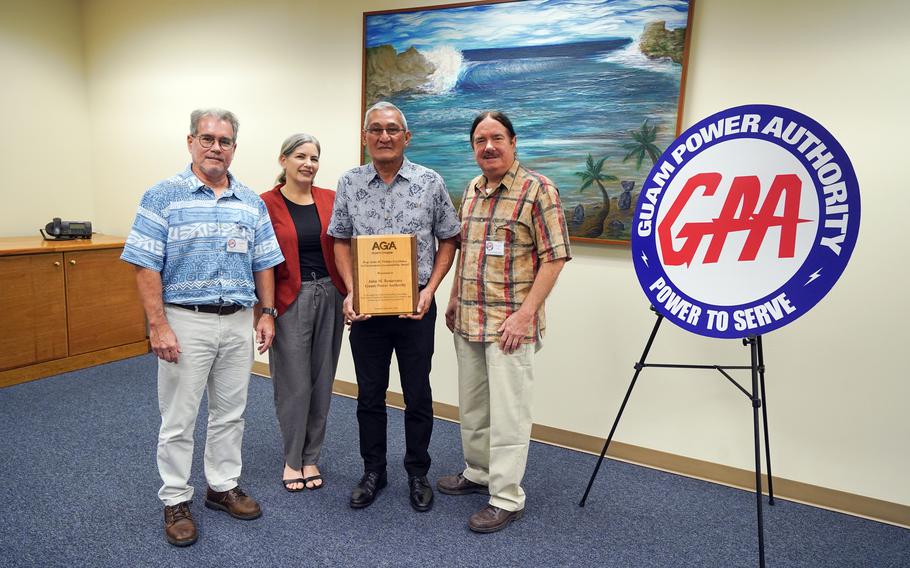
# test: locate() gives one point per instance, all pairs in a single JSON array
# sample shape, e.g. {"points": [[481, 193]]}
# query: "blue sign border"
{"points": [[821, 268]]}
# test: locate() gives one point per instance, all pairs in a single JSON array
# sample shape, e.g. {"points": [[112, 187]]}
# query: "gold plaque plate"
{"points": [[385, 274]]}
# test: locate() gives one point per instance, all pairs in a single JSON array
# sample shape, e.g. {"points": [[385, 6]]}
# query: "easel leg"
{"points": [[638, 367], [756, 403], [764, 414]]}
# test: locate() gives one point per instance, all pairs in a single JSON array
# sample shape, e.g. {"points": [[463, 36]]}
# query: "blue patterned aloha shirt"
{"points": [[182, 231], [416, 203]]}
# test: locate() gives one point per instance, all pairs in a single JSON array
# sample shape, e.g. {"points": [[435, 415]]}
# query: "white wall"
{"points": [[281, 66], [44, 149], [836, 384]]}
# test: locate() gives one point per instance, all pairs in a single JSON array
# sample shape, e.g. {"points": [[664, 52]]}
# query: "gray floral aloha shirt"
{"points": [[416, 203]]}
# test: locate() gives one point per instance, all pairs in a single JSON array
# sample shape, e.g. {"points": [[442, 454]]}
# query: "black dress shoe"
{"points": [[366, 491], [421, 493]]}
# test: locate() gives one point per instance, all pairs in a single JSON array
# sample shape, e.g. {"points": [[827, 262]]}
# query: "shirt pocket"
{"points": [[412, 219], [499, 268], [242, 230], [515, 234]]}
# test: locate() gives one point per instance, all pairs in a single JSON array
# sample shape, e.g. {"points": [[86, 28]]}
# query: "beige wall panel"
{"points": [[44, 147]]}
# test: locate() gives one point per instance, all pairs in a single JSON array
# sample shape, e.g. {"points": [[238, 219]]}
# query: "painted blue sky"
{"points": [[519, 24]]}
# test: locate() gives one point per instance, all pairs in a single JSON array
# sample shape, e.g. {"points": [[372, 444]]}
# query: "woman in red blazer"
{"points": [[309, 293]]}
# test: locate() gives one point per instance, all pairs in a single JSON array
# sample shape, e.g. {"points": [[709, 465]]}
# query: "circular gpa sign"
{"points": [[745, 222]]}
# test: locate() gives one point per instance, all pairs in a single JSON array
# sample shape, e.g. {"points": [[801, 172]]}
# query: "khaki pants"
{"points": [[494, 398], [216, 357]]}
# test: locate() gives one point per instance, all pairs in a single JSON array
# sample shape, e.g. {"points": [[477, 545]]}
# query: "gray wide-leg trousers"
{"points": [[303, 359]]}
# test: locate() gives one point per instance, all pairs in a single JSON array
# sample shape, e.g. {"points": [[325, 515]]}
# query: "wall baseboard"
{"points": [[66, 364], [831, 499]]}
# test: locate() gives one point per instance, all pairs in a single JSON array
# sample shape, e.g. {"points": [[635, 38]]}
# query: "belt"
{"points": [[220, 309]]}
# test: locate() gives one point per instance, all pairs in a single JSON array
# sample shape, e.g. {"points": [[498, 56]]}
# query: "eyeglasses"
{"points": [[207, 141], [377, 131]]}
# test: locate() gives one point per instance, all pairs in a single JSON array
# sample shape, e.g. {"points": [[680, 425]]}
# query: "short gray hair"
{"points": [[384, 105], [218, 113], [293, 142]]}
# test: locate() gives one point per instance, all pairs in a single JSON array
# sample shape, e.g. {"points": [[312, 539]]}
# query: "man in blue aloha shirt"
{"points": [[204, 248]]}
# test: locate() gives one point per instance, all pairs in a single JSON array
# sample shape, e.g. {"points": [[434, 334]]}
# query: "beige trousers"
{"points": [[216, 357], [494, 399]]}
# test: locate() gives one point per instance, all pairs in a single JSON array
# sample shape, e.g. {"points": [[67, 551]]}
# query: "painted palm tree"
{"points": [[643, 145], [592, 175]]}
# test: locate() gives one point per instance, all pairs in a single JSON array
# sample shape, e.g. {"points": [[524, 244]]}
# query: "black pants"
{"points": [[372, 343]]}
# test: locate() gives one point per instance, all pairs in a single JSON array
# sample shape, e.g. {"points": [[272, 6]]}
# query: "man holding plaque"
{"points": [[514, 243], [395, 197]]}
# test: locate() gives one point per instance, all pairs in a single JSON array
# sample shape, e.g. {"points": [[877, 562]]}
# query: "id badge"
{"points": [[495, 248], [235, 244], [237, 239]]}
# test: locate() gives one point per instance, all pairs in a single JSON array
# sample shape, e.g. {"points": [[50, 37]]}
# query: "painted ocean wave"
{"points": [[564, 107], [478, 69], [631, 56], [449, 63], [577, 49], [479, 76]]}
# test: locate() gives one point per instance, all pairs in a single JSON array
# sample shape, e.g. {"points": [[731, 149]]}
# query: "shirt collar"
{"points": [[406, 171], [195, 184], [506, 183]]}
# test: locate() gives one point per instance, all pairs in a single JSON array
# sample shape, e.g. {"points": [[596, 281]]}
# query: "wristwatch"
{"points": [[270, 311]]}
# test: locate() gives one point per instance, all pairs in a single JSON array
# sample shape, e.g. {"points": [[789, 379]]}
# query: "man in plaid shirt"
{"points": [[514, 243]]}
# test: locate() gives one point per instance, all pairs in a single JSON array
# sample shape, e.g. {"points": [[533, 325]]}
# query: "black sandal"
{"points": [[313, 478], [287, 483]]}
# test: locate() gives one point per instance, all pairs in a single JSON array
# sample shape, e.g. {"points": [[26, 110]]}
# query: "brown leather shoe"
{"points": [[234, 502], [492, 519], [179, 528], [460, 485]]}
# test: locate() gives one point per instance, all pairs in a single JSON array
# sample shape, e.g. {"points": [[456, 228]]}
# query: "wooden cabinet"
{"points": [[102, 302], [66, 305], [32, 309]]}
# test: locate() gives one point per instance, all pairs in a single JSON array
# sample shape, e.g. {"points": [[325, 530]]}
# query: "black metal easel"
{"points": [[756, 396]]}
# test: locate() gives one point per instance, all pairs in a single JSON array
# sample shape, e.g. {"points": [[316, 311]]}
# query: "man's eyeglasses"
{"points": [[377, 131], [207, 141]]}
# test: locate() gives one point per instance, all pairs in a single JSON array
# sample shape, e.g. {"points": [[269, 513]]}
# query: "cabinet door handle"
{"points": [[56, 263], [73, 262]]}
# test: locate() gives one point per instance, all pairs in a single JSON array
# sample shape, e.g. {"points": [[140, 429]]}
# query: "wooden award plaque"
{"points": [[385, 274]]}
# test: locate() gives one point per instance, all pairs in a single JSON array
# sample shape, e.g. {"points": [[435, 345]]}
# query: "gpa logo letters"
{"points": [[746, 222]]}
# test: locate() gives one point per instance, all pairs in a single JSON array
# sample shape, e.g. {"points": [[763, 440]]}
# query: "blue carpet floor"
{"points": [[78, 487]]}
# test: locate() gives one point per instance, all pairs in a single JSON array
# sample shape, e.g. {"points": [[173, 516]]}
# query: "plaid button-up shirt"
{"points": [[524, 215]]}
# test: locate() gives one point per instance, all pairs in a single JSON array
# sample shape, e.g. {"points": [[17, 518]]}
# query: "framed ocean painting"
{"points": [[593, 87]]}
